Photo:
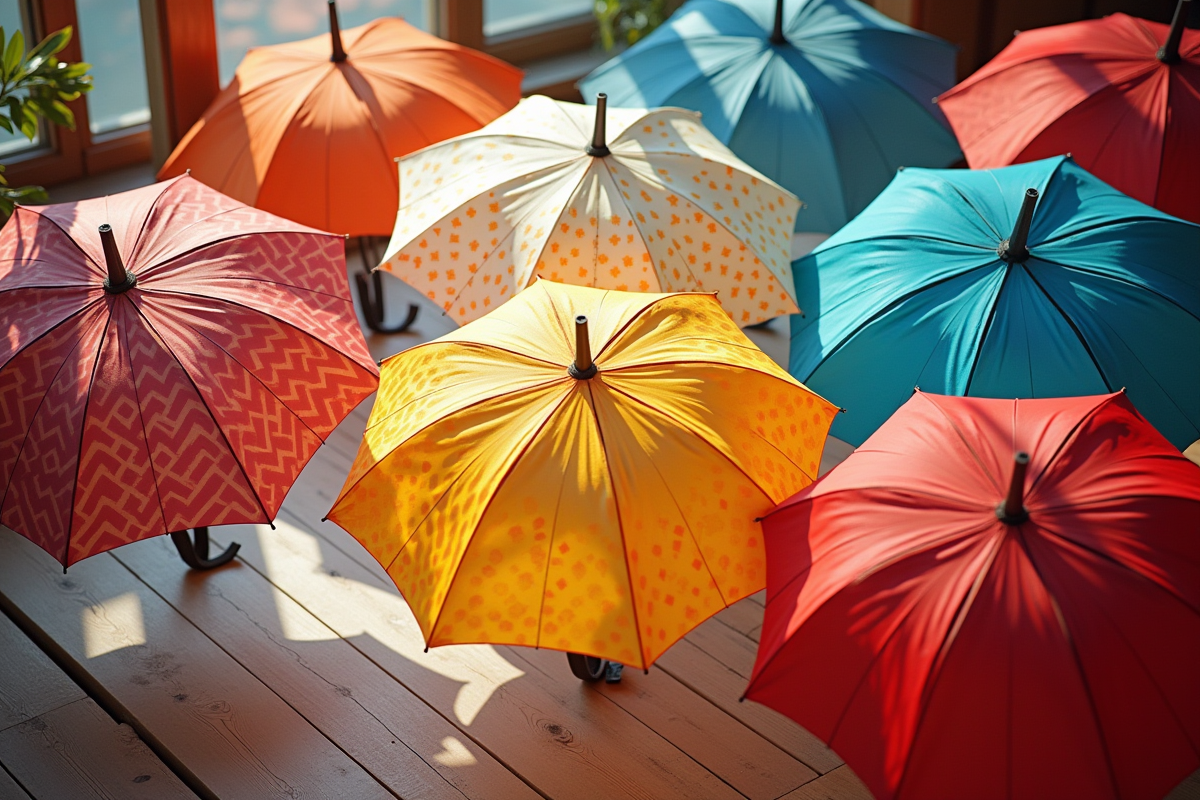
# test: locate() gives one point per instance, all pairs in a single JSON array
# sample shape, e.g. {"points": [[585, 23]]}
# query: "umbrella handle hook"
{"points": [[370, 294], [195, 554]]}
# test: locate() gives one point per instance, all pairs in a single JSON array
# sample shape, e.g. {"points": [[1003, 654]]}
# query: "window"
{"points": [[502, 17], [110, 36], [15, 15], [242, 24]]}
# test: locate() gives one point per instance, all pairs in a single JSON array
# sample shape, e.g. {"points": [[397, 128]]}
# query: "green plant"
{"points": [[35, 85], [630, 20]]}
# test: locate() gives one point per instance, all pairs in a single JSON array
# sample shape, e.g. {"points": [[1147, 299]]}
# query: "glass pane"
{"points": [[242, 24], [110, 34], [14, 15], [509, 16]]}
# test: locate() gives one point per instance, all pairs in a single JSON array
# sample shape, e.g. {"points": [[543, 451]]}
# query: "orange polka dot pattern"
{"points": [[512, 503], [671, 209]]}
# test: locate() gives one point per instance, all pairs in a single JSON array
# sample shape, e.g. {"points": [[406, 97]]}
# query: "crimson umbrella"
{"points": [[1120, 94], [172, 359], [959, 622]]}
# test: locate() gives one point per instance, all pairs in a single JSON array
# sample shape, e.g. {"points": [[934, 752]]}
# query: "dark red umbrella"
{"points": [[956, 625], [171, 360], [1120, 94]]}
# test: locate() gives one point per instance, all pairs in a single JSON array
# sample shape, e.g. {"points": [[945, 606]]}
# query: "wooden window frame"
{"points": [[461, 21], [69, 155]]}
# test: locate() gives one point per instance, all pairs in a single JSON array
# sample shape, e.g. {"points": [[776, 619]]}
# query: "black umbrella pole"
{"points": [[583, 368], [119, 279], [335, 33], [599, 147], [1169, 52], [777, 36], [1015, 248], [1012, 510]]}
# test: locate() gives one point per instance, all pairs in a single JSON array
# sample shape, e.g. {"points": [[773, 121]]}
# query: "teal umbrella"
{"points": [[1036, 280], [825, 97]]}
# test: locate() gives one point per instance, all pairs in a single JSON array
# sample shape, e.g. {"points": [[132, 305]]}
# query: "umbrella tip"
{"points": [[582, 367], [1014, 249], [119, 279], [742, 699], [1169, 52], [777, 36], [1012, 510], [426, 648], [598, 147], [335, 34]]}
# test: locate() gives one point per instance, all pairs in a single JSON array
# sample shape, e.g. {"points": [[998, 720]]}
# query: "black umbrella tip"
{"points": [[1169, 52]]}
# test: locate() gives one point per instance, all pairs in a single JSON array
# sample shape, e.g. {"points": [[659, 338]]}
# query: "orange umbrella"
{"points": [[312, 137]]}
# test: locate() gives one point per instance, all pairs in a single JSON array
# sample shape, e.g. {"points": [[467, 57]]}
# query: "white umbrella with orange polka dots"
{"points": [[539, 192], [521, 490]]}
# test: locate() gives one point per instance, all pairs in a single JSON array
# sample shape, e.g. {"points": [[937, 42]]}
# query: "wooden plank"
{"points": [[30, 683], [721, 686], [601, 752], [743, 616], [9, 788], [77, 751], [837, 784], [402, 742], [218, 728], [724, 746], [1188, 790], [735, 650]]}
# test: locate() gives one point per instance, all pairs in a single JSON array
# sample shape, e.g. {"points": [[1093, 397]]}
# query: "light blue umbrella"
{"points": [[825, 97], [1036, 280]]}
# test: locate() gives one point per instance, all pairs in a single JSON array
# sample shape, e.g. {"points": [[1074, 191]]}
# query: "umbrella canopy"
{"points": [[964, 282], [826, 97], [313, 138], [519, 492], [543, 192], [1112, 92], [955, 622], [173, 359]]}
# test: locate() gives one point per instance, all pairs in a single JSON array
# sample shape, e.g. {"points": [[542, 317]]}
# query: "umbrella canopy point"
{"points": [[1089, 291], [119, 279], [607, 516], [962, 655]]}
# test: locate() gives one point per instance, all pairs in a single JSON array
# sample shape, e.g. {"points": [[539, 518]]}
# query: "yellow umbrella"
{"points": [[518, 493], [540, 192]]}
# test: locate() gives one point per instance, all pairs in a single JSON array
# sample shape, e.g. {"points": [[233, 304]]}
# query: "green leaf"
{"points": [[50, 45], [4, 123], [14, 53]]}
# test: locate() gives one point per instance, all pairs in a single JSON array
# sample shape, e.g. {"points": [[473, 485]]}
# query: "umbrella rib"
{"points": [[637, 625], [33, 417], [698, 435], [146, 273], [82, 434], [221, 278], [562, 484], [966, 443], [137, 399], [200, 395], [893, 305], [1070, 642], [227, 301], [68, 236], [987, 328], [1074, 328], [1119, 279], [487, 506]]}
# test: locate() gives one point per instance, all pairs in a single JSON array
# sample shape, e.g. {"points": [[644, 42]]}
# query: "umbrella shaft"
{"points": [[1169, 52]]}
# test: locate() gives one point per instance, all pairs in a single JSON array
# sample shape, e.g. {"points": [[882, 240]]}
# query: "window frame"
{"points": [[69, 155], [461, 21]]}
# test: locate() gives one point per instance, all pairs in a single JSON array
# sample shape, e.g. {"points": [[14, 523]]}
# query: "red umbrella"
{"points": [[184, 387], [957, 626], [1120, 94]]}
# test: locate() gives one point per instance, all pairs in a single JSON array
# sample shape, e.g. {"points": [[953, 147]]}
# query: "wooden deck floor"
{"points": [[298, 671]]}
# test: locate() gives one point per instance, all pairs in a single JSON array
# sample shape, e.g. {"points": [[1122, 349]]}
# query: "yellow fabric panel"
{"points": [[688, 520], [545, 566], [415, 509]]}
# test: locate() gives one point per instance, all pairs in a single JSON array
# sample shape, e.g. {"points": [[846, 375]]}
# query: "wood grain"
{"points": [[216, 725], [30, 683], [9, 788], [837, 784], [743, 616], [711, 679], [737, 755], [561, 749], [77, 751], [381, 725]]}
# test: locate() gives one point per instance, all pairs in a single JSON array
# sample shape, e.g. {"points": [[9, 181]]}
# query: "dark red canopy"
{"points": [[1097, 90], [945, 653]]}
